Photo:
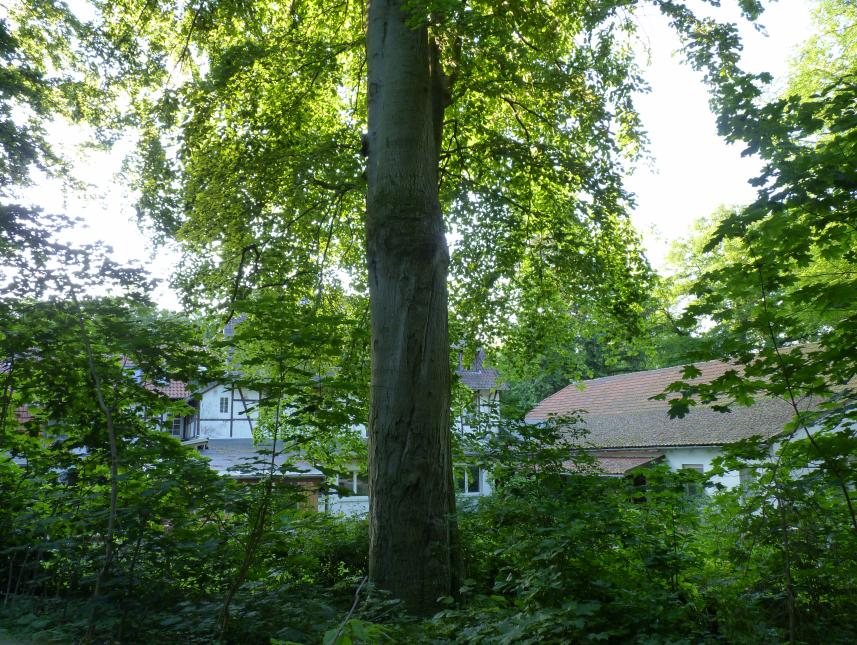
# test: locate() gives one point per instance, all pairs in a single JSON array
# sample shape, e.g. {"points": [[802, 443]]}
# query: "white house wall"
{"points": [[678, 457], [349, 506], [486, 402], [236, 422], [352, 505], [359, 504]]}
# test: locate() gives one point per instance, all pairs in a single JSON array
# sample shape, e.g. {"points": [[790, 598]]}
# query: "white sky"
{"points": [[106, 207], [692, 171]]}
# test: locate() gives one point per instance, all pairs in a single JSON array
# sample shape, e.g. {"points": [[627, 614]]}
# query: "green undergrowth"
{"points": [[547, 559]]}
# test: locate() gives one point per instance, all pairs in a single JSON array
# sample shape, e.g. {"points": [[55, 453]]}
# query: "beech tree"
{"points": [[318, 149]]}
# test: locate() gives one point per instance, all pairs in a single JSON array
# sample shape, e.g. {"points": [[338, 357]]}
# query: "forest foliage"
{"points": [[111, 531]]}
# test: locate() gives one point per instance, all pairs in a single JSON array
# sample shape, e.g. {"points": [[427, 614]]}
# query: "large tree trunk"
{"points": [[412, 531]]}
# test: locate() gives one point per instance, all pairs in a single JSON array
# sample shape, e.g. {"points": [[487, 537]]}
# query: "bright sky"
{"points": [[692, 172], [106, 207]]}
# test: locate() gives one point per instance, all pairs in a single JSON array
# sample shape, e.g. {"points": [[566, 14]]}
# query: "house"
{"points": [[220, 426], [217, 420], [482, 380], [225, 412], [243, 460], [485, 385], [221, 421], [218, 411], [628, 430], [183, 428], [471, 481]]}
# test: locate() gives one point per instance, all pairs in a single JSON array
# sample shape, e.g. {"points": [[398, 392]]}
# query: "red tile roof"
{"points": [[621, 393], [616, 462], [621, 463], [619, 411], [174, 390]]}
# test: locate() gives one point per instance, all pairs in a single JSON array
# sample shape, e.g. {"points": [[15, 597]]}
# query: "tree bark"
{"points": [[412, 528]]}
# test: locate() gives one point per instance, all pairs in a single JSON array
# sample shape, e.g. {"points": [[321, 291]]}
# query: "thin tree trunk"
{"points": [[114, 462], [132, 583], [828, 463], [412, 529], [7, 394], [787, 569], [9, 578], [21, 571], [259, 525]]}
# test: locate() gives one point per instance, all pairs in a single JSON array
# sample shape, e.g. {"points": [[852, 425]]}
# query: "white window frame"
{"points": [[224, 403], [466, 471], [350, 483]]}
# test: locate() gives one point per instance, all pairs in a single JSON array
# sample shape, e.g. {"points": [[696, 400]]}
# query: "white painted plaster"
{"points": [[216, 424], [677, 457]]}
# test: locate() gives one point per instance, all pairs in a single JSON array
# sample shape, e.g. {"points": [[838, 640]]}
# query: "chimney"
{"points": [[460, 347], [478, 360]]}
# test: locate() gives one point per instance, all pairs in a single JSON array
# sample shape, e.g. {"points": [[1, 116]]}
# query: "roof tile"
{"points": [[619, 412], [486, 378]]}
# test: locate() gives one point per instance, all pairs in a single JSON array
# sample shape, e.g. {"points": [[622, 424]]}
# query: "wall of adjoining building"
{"points": [[238, 419]]}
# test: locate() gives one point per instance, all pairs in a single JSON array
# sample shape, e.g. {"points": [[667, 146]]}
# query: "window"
{"points": [[745, 477], [361, 484], [355, 483], [473, 480], [177, 426], [693, 487], [224, 404], [468, 479]]}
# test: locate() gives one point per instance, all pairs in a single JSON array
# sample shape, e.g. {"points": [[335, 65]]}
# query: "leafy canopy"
{"points": [[250, 118]]}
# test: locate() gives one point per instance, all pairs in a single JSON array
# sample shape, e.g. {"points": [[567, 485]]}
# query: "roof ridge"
{"points": [[652, 371], [602, 379]]}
